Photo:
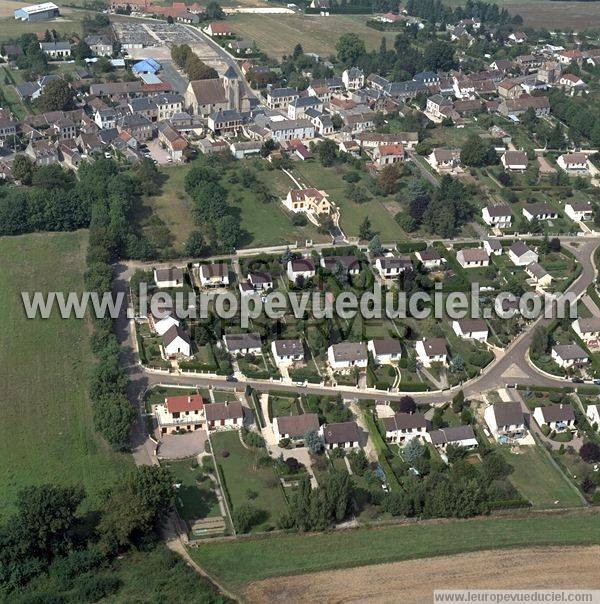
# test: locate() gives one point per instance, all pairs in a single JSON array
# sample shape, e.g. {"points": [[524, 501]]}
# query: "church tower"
{"points": [[232, 85]]}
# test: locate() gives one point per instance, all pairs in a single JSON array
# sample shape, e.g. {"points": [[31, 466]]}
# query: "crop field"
{"points": [[47, 432], [276, 35]]}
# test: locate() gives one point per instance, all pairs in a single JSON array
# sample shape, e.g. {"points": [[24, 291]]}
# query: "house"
{"points": [[298, 107], [106, 118], [458, 436], [287, 352], [370, 140], [567, 56], [214, 275], [174, 143], [514, 160], [347, 264], [443, 160], [574, 163], [569, 355], [499, 217], [243, 343], [241, 150], [300, 267], [385, 351], [347, 354], [260, 281], [42, 152], [593, 414], [242, 47], [429, 258], [287, 130], [587, 328], [101, 46], [137, 126], [180, 413], [510, 89], [572, 83], [505, 419], [295, 427], [168, 104], [493, 247], [402, 427], [224, 416], [539, 211], [516, 107], [360, 122], [225, 122], [557, 417], [161, 326], [342, 434], [473, 257], [218, 29], [437, 105], [579, 210], [56, 50], [353, 78], [386, 155], [518, 37], [539, 275], [521, 255], [168, 277], [471, 329], [432, 350], [392, 266], [308, 200], [177, 342], [280, 98]]}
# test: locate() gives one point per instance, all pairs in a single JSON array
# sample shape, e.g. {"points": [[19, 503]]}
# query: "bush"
{"points": [[351, 177], [208, 465], [96, 587], [225, 453], [405, 405], [246, 516], [299, 220], [590, 452]]}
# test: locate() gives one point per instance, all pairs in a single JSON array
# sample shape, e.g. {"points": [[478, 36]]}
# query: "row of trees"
{"points": [[185, 58], [436, 12], [48, 535]]}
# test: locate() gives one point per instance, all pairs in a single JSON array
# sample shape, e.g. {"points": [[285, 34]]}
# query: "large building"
{"points": [[37, 12]]}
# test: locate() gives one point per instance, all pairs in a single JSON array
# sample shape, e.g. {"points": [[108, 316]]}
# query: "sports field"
{"points": [[47, 433], [276, 35]]}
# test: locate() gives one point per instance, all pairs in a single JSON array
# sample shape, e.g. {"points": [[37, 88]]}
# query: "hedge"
{"points": [[407, 247], [505, 504]]}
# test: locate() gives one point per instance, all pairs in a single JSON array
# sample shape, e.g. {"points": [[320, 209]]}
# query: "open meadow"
{"points": [[47, 432], [69, 21]]}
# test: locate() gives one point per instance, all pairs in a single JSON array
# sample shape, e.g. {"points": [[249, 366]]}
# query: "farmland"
{"points": [[68, 23], [239, 562], [276, 35], [46, 414]]}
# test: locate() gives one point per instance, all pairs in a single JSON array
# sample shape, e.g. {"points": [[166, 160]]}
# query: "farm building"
{"points": [[37, 12]]}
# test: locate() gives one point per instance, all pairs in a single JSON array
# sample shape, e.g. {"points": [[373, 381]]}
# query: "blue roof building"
{"points": [[146, 66]]}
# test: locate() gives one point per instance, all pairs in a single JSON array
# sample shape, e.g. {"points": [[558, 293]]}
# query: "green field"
{"points": [[69, 23], [241, 474], [46, 415], [538, 480], [276, 35], [241, 561]]}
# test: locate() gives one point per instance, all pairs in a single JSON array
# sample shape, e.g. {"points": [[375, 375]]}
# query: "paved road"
{"points": [[170, 73], [511, 366]]}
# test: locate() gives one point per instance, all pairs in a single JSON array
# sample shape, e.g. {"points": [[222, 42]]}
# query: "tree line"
{"points": [[195, 69]]}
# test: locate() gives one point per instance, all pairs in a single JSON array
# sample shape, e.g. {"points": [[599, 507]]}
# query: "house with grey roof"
{"points": [[505, 419], [345, 435], [243, 343], [569, 355], [346, 355]]}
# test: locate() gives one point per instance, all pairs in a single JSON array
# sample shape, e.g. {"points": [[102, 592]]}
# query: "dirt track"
{"points": [[544, 568]]}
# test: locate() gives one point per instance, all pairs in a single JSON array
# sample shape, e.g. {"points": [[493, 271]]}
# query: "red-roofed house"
{"points": [[385, 155], [180, 414], [218, 29]]}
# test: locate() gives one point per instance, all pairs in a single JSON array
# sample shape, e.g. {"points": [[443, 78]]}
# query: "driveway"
{"points": [[178, 446], [159, 154]]}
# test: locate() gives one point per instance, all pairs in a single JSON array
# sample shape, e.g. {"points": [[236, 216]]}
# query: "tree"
{"points": [[57, 96], [439, 55], [313, 441], [590, 452], [327, 151], [364, 230], [458, 401], [540, 341], [556, 140], [406, 222], [194, 246], [81, 51], [406, 404], [375, 246], [229, 232], [418, 199], [245, 516], [23, 168], [413, 450], [349, 48], [297, 52], [170, 20], [477, 152], [214, 11], [388, 178]]}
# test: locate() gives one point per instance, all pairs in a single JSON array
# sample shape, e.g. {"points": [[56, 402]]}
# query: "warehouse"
{"points": [[37, 12]]}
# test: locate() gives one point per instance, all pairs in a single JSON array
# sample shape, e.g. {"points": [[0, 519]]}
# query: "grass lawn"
{"points": [[283, 405], [538, 480], [68, 23], [238, 562], [240, 473], [276, 35], [46, 414]]}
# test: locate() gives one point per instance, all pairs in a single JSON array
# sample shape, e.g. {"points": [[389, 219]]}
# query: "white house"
{"points": [[353, 78], [295, 427], [505, 419], [287, 352], [539, 211], [180, 413], [300, 267], [177, 342], [499, 217], [430, 258], [243, 343], [392, 266], [587, 329], [432, 351], [569, 355], [214, 275], [574, 163], [521, 255], [349, 264], [224, 416], [168, 277], [260, 281], [579, 210], [347, 354], [473, 257], [556, 417], [163, 325], [402, 427], [342, 434], [308, 200], [493, 247], [539, 275], [471, 329], [385, 350], [593, 415], [515, 160], [459, 436]]}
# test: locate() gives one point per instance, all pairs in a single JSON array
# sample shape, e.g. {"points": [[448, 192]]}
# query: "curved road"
{"points": [[511, 365]]}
